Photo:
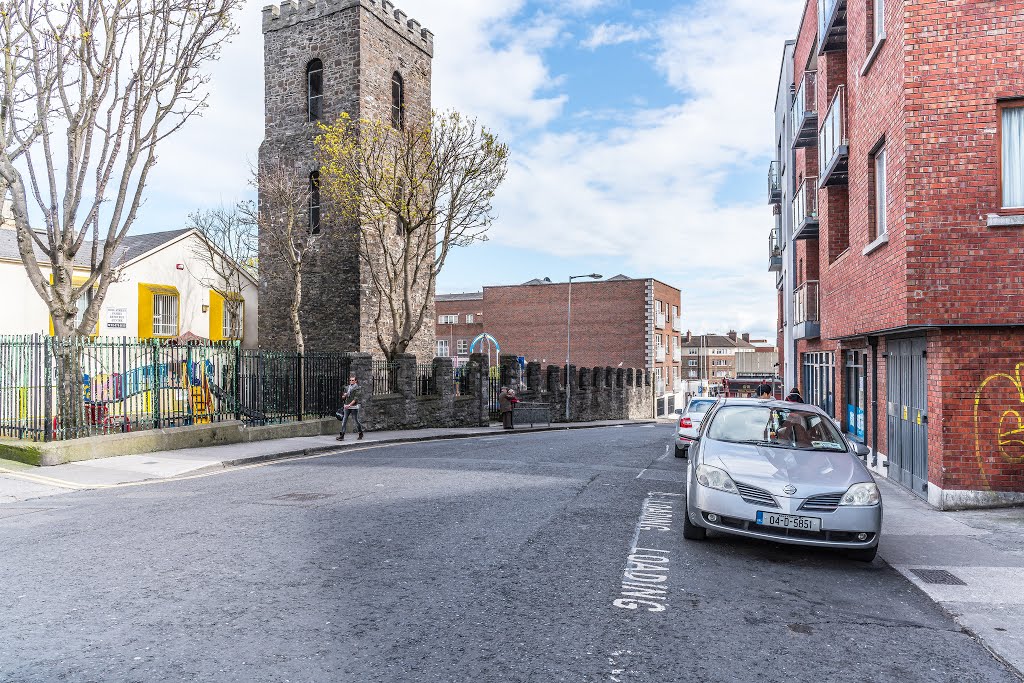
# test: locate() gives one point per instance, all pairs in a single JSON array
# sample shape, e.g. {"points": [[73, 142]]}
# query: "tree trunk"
{"points": [[300, 344], [72, 421]]}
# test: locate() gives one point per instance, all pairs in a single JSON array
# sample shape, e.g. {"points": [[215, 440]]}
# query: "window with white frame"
{"points": [[448, 320], [879, 225], [719, 363], [165, 315], [721, 373], [657, 340], [470, 318], [442, 348], [232, 320], [692, 363], [1012, 152], [692, 352], [692, 373], [463, 346]]}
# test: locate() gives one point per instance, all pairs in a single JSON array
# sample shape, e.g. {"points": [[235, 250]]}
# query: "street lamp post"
{"points": [[568, 339]]}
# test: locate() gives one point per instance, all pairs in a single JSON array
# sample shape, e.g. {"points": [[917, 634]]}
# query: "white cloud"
{"points": [[614, 34], [651, 189]]}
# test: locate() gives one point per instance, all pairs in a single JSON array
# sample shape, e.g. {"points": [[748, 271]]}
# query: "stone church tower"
{"points": [[322, 58]]}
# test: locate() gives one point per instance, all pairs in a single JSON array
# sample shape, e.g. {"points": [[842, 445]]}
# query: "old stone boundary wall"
{"points": [[594, 394]]}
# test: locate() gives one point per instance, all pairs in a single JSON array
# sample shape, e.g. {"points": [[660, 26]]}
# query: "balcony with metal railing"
{"points": [[775, 183], [774, 251], [805, 210], [833, 145], [806, 319], [831, 26], [659, 320], [659, 354], [677, 355], [677, 323], [804, 113]]}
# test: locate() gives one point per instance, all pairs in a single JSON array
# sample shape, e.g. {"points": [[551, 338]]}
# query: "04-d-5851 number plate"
{"points": [[789, 521]]}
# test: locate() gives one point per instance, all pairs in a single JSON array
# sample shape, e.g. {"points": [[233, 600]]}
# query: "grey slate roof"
{"points": [[716, 341], [132, 246], [467, 296]]}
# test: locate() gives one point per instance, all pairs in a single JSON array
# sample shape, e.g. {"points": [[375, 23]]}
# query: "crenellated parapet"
{"points": [[291, 12]]}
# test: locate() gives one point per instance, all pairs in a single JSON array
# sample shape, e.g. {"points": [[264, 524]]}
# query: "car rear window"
{"points": [[699, 406]]}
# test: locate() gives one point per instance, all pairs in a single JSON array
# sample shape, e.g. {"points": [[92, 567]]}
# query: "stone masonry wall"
{"points": [[361, 44]]}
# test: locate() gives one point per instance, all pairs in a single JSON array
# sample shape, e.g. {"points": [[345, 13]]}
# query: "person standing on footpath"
{"points": [[350, 406], [794, 396], [505, 400], [764, 390]]}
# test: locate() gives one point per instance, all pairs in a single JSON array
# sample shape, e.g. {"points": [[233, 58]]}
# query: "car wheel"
{"points": [[692, 532], [866, 555], [681, 452]]}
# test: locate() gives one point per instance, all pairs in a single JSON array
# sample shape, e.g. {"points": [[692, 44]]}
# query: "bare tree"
{"points": [[415, 193], [289, 230], [90, 88], [227, 255]]}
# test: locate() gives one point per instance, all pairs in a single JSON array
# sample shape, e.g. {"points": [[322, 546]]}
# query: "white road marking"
{"points": [[645, 576]]}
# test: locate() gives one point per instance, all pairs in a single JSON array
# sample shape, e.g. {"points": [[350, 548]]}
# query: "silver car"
{"points": [[689, 422], [781, 472]]}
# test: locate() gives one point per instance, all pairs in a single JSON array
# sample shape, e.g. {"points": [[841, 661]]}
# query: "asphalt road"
{"points": [[499, 559]]}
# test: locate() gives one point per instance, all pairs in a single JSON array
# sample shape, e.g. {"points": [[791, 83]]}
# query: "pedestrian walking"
{"points": [[506, 399], [764, 390], [794, 396], [350, 406]]}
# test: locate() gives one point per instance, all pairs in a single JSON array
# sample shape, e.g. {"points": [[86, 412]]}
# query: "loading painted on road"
{"points": [[645, 577]]}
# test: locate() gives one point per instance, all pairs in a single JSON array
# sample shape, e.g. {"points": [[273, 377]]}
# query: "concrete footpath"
{"points": [[20, 482], [970, 562]]}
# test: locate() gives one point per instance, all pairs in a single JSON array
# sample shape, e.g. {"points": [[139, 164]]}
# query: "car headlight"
{"points": [[714, 478], [862, 494]]}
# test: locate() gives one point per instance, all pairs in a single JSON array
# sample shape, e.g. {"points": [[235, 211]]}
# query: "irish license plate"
{"points": [[789, 521]]}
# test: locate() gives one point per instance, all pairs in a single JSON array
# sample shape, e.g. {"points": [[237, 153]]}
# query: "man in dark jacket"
{"points": [[350, 406], [764, 390], [794, 396]]}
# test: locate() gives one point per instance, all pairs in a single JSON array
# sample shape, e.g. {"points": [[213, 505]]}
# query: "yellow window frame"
{"points": [[146, 293]]}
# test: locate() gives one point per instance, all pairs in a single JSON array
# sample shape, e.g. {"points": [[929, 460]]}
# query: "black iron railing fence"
{"points": [[426, 385], [54, 389], [385, 378]]}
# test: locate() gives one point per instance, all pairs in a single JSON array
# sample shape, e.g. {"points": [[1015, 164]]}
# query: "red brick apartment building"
{"points": [[898, 189], [635, 323]]}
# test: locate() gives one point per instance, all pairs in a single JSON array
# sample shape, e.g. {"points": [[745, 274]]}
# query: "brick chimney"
{"points": [[746, 337], [689, 336], [732, 335]]}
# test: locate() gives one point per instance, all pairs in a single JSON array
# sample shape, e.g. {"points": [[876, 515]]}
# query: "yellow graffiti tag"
{"points": [[1009, 430]]}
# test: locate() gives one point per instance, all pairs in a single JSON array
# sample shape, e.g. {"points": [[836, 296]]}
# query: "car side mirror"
{"points": [[861, 450]]}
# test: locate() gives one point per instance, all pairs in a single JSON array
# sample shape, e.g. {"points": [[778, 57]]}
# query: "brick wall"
{"points": [[961, 57], [609, 322], [462, 330], [976, 405]]}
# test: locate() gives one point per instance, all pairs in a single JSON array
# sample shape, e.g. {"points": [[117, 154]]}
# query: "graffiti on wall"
{"points": [[999, 420]]}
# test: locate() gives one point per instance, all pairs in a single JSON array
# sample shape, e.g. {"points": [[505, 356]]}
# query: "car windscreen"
{"points": [[699, 406], [776, 427]]}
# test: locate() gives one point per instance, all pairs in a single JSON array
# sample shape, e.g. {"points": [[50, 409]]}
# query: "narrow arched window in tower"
{"points": [[314, 203], [315, 89], [397, 101]]}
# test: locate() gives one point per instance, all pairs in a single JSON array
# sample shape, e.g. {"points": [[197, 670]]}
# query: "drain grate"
{"points": [[303, 497], [940, 576]]}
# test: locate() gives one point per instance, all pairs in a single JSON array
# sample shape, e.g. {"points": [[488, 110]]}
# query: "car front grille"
{"points": [[756, 496], [826, 502]]}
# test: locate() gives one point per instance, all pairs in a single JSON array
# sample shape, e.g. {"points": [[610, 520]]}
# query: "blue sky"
{"points": [[640, 130]]}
